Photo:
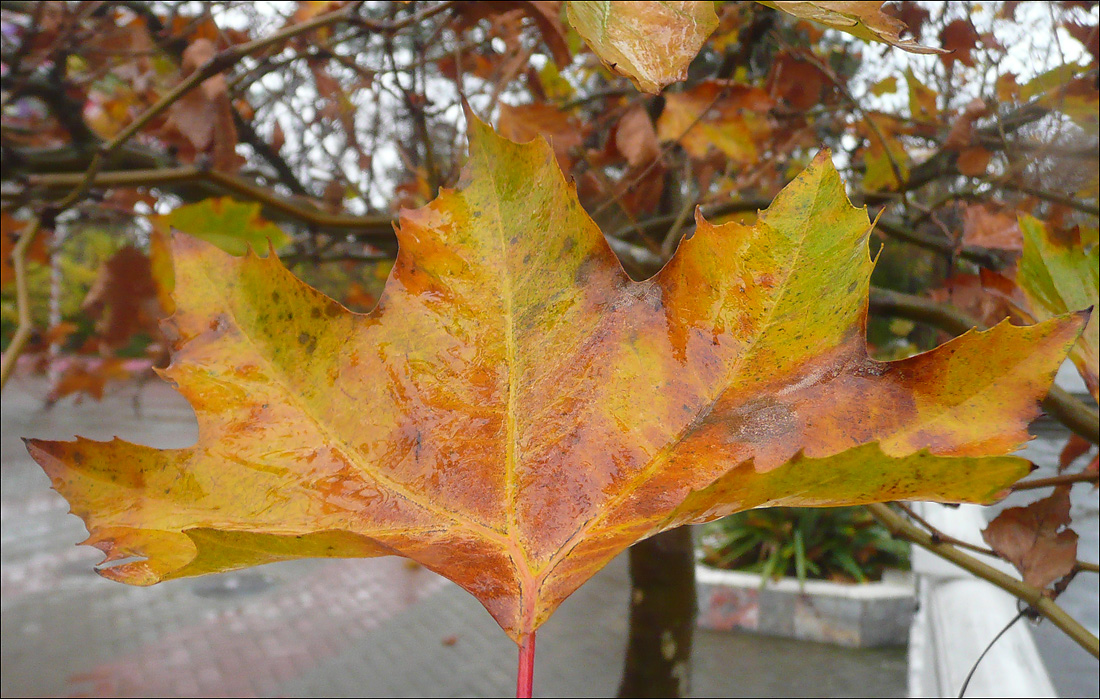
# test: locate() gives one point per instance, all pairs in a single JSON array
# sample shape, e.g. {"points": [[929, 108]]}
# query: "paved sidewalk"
{"points": [[375, 627]]}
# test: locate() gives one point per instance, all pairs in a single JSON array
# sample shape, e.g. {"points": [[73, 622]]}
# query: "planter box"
{"points": [[856, 616]]}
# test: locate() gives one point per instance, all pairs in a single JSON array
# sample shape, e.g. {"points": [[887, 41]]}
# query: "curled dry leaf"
{"points": [[204, 115], [516, 411], [865, 20], [636, 139], [652, 43], [1035, 539]]}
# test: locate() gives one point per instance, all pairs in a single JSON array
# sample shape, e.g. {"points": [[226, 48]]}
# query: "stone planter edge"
{"points": [[864, 615]]}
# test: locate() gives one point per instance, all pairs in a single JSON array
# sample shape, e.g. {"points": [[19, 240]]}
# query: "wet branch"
{"points": [[1033, 596], [22, 295]]}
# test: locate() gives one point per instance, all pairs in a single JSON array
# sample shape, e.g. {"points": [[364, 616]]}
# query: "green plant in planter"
{"points": [[843, 544]]}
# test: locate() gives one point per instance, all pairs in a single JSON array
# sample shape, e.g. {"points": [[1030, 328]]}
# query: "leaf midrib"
{"points": [[661, 456]]}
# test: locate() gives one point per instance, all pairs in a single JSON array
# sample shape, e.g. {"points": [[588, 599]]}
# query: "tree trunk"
{"points": [[662, 616]]}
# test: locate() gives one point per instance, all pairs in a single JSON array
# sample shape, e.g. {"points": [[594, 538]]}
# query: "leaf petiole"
{"points": [[526, 676]]}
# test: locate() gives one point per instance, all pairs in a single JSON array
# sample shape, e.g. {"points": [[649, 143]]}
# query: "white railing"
{"points": [[959, 615]]}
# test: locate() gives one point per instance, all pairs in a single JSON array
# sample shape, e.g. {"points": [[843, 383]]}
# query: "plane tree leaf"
{"points": [[232, 225], [516, 411], [864, 20], [652, 43], [1057, 273], [1036, 538]]}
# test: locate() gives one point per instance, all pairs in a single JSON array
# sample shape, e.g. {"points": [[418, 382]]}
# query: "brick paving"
{"points": [[375, 627]]}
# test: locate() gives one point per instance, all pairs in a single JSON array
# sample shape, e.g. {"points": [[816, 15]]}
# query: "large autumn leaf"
{"points": [[516, 411]]}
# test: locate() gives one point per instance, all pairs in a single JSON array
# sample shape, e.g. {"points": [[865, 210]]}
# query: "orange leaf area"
{"points": [[729, 117], [652, 43], [1035, 538], [516, 411]]}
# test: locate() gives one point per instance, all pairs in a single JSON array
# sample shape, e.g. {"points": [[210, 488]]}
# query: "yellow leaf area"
{"points": [[516, 411], [729, 117], [1058, 275], [652, 43], [885, 151], [864, 20]]}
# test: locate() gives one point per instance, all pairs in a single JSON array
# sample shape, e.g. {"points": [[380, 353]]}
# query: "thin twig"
{"points": [[22, 295], [1084, 207], [218, 63], [974, 668], [1035, 597], [938, 535], [364, 226], [1054, 481]]}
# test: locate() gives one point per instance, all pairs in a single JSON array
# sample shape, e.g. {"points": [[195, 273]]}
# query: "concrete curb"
{"points": [[871, 615]]}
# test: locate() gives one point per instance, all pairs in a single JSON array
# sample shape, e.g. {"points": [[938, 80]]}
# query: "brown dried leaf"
{"points": [[1076, 446], [798, 82], [635, 138], [204, 115], [82, 377], [986, 227], [962, 129], [527, 121], [124, 298], [1035, 538], [545, 13], [959, 38], [965, 292], [728, 117], [973, 161], [865, 20], [911, 14]]}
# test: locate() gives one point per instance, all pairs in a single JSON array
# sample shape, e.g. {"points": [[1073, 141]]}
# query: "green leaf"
{"points": [[231, 225]]}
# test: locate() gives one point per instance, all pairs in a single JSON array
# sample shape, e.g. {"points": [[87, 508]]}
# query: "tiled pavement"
{"points": [[376, 627]]}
